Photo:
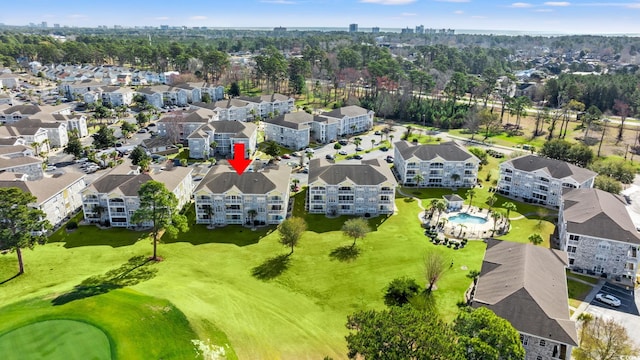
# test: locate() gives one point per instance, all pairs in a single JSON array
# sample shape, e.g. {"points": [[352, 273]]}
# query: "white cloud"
{"points": [[409, 14], [198, 17], [458, 12], [543, 10], [634, 6], [454, 1], [162, 18], [521, 5], [478, 17], [388, 2], [557, 3], [281, 2], [77, 16]]}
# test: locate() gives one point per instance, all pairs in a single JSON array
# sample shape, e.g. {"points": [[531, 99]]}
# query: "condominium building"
{"points": [[291, 130]]}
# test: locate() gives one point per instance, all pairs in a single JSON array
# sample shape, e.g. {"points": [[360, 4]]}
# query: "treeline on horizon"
{"points": [[445, 67]]}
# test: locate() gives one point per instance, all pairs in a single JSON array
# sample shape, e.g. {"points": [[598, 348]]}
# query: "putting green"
{"points": [[56, 339]]}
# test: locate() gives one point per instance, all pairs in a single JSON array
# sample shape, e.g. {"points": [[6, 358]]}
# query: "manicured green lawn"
{"points": [[586, 278], [124, 323], [56, 339], [217, 279], [577, 292]]}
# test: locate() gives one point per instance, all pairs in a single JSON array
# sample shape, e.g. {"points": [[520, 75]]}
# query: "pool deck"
{"points": [[467, 230]]}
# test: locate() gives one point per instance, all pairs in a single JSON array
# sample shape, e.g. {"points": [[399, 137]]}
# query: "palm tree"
{"points": [[357, 141], [295, 183], [455, 178], [251, 213], [391, 137], [440, 207], [491, 201], [462, 226], [496, 218], [213, 146], [418, 178], [474, 275], [470, 194], [509, 206], [536, 239], [373, 141]]}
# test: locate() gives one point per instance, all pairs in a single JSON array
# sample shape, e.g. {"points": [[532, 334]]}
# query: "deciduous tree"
{"points": [[434, 267], [485, 336], [356, 228], [291, 230], [400, 333], [603, 340]]}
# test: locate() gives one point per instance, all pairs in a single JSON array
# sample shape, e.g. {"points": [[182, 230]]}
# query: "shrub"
{"points": [[400, 291], [72, 225]]}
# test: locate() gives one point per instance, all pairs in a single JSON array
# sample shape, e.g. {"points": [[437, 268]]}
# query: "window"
{"points": [[539, 357], [604, 246], [507, 178], [571, 261], [384, 198], [524, 339], [600, 257], [508, 171], [543, 343], [574, 237], [571, 249]]}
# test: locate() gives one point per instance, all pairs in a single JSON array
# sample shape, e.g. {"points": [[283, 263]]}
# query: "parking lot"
{"points": [[626, 314]]}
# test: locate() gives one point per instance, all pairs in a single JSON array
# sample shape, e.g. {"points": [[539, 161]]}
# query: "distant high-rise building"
{"points": [[420, 29], [44, 24], [353, 27], [279, 29], [375, 30], [57, 26], [164, 27], [406, 31]]}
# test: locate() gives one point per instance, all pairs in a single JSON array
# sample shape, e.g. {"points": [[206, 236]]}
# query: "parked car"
{"points": [[359, 148], [296, 154], [342, 152], [384, 148], [608, 299], [309, 150], [328, 157], [286, 156], [357, 157], [142, 131], [51, 168], [377, 132], [389, 159], [343, 142]]}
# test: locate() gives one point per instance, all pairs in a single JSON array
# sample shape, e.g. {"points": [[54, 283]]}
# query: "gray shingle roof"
{"points": [[45, 188], [128, 185], [555, 168], [594, 212], [296, 120], [224, 178], [367, 172], [350, 111], [527, 285], [448, 151]]}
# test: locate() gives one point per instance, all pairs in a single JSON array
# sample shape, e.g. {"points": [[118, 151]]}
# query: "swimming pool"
{"points": [[466, 218]]}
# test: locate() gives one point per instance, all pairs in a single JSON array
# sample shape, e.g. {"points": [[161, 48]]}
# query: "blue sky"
{"points": [[586, 17]]}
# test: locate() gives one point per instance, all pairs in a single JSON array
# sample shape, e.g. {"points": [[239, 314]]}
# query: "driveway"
{"points": [[627, 314]]}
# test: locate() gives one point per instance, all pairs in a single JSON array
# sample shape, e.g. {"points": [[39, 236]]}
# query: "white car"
{"points": [[608, 299], [309, 150]]}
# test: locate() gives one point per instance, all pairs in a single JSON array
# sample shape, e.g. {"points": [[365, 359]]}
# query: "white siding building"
{"points": [[254, 198], [291, 130], [113, 198], [441, 165], [365, 188], [351, 119], [57, 196], [225, 134]]}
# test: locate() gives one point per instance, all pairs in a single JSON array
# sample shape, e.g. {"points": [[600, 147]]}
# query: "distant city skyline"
{"points": [[554, 17]]}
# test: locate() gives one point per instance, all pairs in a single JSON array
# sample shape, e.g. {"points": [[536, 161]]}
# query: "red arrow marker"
{"points": [[238, 162]]}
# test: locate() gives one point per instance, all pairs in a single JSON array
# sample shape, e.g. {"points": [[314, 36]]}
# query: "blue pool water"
{"points": [[466, 218]]}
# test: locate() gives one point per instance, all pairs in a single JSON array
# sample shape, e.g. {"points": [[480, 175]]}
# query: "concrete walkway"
{"points": [[589, 298]]}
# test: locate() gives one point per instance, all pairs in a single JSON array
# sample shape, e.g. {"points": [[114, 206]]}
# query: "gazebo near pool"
{"points": [[454, 202]]}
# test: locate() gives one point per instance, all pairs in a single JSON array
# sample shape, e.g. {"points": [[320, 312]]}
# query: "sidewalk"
{"points": [[589, 298]]}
